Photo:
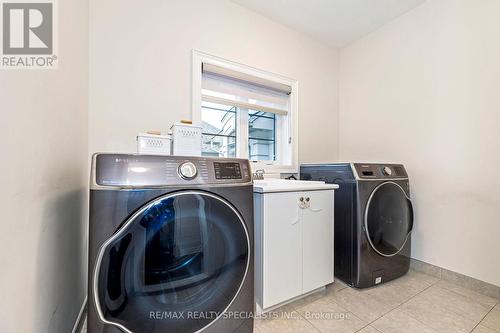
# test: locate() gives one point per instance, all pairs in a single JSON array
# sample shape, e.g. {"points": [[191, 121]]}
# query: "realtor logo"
{"points": [[28, 35]]}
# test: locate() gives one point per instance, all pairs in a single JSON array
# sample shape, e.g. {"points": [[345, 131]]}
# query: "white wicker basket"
{"points": [[152, 144]]}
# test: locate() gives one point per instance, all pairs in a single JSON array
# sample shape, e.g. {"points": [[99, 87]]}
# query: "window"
{"points": [[245, 113]]}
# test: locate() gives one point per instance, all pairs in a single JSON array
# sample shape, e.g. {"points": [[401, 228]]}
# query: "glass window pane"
{"points": [[219, 130], [218, 146], [218, 119], [261, 136], [261, 150]]}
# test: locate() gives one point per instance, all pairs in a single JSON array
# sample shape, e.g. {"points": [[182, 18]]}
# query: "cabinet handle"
{"points": [[301, 203]]}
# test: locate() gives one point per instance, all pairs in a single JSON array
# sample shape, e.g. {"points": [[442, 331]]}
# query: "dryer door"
{"points": [[175, 265], [388, 219]]}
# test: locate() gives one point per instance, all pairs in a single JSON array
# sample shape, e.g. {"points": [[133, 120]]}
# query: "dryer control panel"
{"points": [[129, 171], [380, 171]]}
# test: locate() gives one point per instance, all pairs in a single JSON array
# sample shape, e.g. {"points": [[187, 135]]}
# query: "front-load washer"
{"points": [[171, 245], [373, 220]]}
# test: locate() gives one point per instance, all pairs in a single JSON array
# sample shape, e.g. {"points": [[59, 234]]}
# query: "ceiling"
{"points": [[333, 22]]}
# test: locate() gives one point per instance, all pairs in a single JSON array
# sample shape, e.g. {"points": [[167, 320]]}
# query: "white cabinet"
{"points": [[293, 244]]}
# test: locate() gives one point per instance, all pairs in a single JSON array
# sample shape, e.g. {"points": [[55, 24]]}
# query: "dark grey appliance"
{"points": [[171, 245], [373, 220]]}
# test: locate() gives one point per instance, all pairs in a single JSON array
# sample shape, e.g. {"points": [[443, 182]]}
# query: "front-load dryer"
{"points": [[171, 245], [373, 220]]}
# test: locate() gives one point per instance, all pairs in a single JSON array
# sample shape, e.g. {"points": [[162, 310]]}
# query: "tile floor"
{"points": [[417, 303]]}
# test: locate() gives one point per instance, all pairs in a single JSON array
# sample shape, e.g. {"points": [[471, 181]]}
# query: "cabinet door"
{"points": [[317, 226], [282, 271]]}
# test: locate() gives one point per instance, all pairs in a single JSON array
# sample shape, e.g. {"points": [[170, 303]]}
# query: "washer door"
{"points": [[388, 219], [176, 265]]}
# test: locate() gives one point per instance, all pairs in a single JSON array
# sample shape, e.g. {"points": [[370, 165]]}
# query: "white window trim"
{"points": [[198, 58]]}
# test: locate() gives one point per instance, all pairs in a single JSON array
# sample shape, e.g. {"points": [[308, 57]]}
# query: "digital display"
{"points": [[229, 170]]}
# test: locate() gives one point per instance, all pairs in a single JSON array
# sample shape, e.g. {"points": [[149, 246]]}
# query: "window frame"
{"points": [[286, 127]]}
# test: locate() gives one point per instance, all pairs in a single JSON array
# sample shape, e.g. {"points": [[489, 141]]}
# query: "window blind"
{"points": [[227, 87]]}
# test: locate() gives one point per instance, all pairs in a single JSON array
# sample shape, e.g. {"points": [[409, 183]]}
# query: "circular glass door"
{"points": [[176, 265], [388, 219]]}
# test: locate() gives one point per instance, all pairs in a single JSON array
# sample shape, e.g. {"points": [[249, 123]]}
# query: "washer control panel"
{"points": [[122, 170], [380, 171]]}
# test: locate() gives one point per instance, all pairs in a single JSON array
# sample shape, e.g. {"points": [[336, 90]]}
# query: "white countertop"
{"points": [[285, 185]]}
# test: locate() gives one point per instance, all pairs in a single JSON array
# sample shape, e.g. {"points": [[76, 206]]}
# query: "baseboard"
{"points": [[465, 281], [80, 319]]}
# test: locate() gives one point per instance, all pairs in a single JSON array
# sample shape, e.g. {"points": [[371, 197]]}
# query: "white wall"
{"points": [[424, 91], [43, 144], [140, 68]]}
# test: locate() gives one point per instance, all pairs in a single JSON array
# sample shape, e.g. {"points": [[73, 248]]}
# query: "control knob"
{"points": [[386, 171], [187, 170]]}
